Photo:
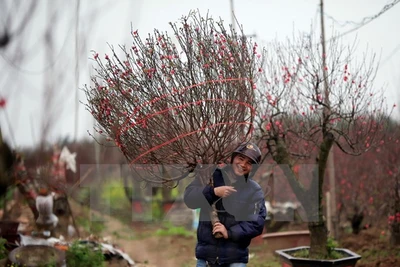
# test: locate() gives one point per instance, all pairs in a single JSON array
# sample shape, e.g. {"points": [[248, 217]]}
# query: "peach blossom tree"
{"points": [[182, 97], [309, 101], [362, 187], [388, 158]]}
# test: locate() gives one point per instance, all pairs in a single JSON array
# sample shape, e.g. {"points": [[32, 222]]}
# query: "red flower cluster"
{"points": [[394, 218], [3, 102]]}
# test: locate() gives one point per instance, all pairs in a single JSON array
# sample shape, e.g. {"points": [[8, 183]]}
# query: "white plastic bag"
{"points": [[44, 205]]}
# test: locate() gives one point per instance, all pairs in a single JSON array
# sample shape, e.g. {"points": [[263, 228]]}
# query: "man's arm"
{"points": [[198, 195]]}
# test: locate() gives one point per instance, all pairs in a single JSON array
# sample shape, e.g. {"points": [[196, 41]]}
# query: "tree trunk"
{"points": [[394, 238], [318, 230], [214, 219], [318, 240], [214, 213]]}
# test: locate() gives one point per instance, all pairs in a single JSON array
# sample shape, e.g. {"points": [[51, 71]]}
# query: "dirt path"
{"points": [[145, 248]]}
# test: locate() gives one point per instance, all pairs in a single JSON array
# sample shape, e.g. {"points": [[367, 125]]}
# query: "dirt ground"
{"points": [[373, 245], [147, 249], [172, 251], [139, 241]]}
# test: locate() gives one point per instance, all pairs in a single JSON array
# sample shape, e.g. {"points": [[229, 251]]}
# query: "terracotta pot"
{"points": [[287, 239], [258, 240], [349, 260]]}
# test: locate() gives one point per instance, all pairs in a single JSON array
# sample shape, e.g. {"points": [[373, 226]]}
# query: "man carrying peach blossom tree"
{"points": [[240, 206]]}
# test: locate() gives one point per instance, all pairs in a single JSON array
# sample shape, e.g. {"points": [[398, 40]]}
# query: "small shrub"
{"points": [[331, 246], [171, 230], [84, 255], [3, 249]]}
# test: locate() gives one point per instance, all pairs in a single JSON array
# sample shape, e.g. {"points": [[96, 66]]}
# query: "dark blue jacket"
{"points": [[242, 213]]}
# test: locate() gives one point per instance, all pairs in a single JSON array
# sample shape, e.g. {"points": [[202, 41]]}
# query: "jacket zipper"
{"points": [[217, 259]]}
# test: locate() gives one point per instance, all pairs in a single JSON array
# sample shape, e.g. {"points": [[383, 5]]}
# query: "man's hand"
{"points": [[219, 227], [224, 191]]}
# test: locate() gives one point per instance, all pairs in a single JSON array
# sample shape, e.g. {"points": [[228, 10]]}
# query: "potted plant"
{"points": [[314, 98], [345, 258]]}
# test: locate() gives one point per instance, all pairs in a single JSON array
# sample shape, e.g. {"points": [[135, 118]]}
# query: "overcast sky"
{"points": [[23, 82]]}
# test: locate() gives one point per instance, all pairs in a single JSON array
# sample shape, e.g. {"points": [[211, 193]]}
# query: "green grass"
{"points": [[257, 262], [170, 230]]}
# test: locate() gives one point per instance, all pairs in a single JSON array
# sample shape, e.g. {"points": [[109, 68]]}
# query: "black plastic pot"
{"points": [[288, 260]]}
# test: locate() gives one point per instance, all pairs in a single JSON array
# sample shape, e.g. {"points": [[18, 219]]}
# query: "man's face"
{"points": [[242, 165]]}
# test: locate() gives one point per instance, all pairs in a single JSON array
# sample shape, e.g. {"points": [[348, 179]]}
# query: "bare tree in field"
{"points": [[15, 18], [37, 41], [309, 101], [182, 99], [30, 36]]}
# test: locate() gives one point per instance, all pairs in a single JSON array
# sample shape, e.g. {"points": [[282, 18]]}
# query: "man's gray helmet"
{"points": [[250, 150]]}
